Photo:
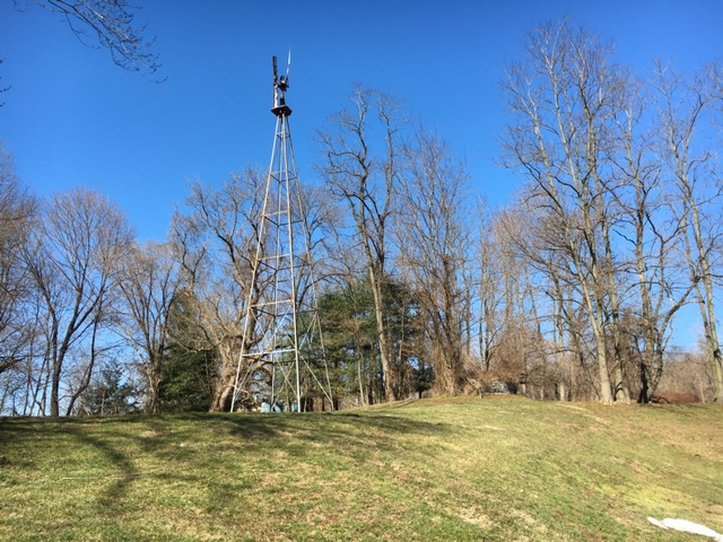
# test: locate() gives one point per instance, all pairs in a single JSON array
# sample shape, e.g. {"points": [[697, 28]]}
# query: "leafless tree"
{"points": [[110, 24], [688, 110], [150, 281], [435, 247], [565, 100], [216, 244], [652, 231], [368, 186], [489, 299], [17, 212], [605, 229], [73, 264]]}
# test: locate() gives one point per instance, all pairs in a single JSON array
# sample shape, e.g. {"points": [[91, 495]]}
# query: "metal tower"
{"points": [[281, 327]]}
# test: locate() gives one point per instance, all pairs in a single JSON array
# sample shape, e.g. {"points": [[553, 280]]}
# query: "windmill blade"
{"points": [[288, 65], [276, 68]]}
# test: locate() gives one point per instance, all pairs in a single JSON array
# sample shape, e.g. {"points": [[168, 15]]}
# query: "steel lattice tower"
{"points": [[281, 319]]}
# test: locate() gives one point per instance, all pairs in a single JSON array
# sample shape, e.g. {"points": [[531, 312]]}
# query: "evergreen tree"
{"points": [[111, 393]]}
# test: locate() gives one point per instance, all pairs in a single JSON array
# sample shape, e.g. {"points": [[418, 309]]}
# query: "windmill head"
{"points": [[281, 80], [281, 85]]}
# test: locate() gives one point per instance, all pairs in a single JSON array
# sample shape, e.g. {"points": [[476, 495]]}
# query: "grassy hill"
{"points": [[456, 469]]}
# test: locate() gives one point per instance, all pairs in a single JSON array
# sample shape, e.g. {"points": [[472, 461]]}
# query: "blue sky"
{"points": [[73, 118]]}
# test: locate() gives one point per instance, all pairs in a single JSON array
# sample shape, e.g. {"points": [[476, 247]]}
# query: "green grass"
{"points": [[445, 469]]}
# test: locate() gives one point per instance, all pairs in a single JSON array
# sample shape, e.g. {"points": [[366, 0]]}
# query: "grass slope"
{"points": [[456, 469]]}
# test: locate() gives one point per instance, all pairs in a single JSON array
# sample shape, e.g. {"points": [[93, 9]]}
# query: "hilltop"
{"points": [[458, 469]]}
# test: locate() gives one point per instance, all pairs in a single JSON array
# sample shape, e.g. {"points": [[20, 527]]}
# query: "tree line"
{"points": [[570, 292]]}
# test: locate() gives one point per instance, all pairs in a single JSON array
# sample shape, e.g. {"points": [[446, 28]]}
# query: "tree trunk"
{"points": [[606, 396], [153, 405], [224, 388], [389, 375], [222, 399], [55, 391], [561, 391], [716, 361], [707, 308]]}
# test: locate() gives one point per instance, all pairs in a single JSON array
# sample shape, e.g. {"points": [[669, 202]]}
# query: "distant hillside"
{"points": [[458, 469]]}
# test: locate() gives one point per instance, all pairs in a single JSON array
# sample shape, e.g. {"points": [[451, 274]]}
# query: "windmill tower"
{"points": [[281, 326]]}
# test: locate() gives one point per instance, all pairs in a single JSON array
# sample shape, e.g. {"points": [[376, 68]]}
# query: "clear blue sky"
{"points": [[73, 118]]}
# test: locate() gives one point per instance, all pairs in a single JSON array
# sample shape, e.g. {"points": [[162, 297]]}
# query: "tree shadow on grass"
{"points": [[161, 435], [126, 471], [194, 449], [348, 435]]}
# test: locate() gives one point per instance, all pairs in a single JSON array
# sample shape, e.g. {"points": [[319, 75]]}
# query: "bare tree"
{"points": [[566, 99], [149, 283], [653, 231], [368, 186], [73, 263], [111, 24], [216, 246], [17, 212], [434, 250], [695, 168], [605, 227], [489, 300], [505, 316]]}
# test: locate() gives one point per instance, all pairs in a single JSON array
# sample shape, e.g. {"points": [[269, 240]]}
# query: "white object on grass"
{"points": [[685, 526]]}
